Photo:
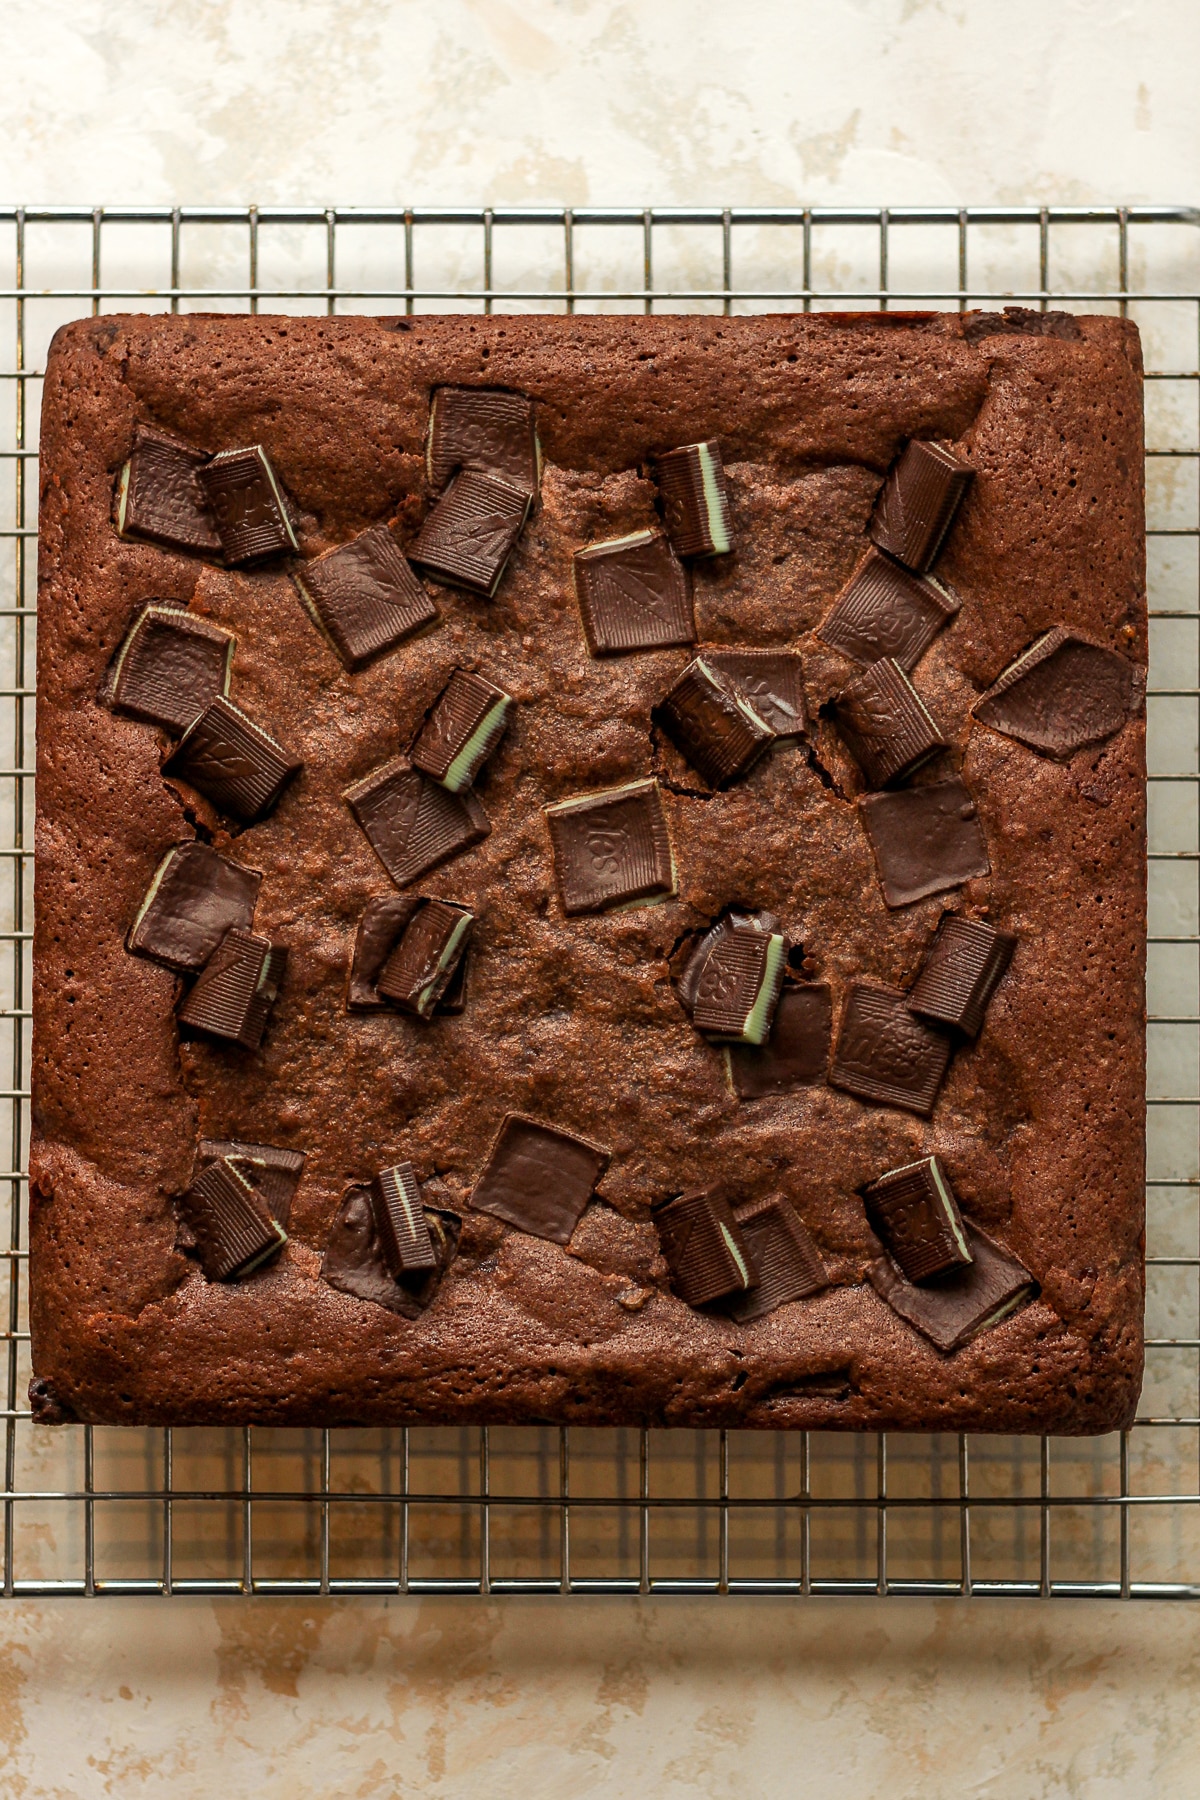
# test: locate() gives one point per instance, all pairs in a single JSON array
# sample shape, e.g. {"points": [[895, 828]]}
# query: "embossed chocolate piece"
{"points": [[232, 1226], [274, 1174], [253, 514], [772, 681], [233, 761], [914, 1211], [1062, 694], [539, 1178], [160, 498], [710, 721], [695, 499], [920, 495], [704, 1247], [364, 596], [888, 611], [487, 430], [961, 973], [400, 1222], [379, 931], [634, 594], [962, 1305], [469, 534], [354, 1261], [169, 667], [885, 1054], [461, 732], [697, 951], [612, 847], [738, 987], [196, 896], [412, 823], [925, 839], [236, 989], [786, 1262], [795, 1055], [885, 723], [420, 966]]}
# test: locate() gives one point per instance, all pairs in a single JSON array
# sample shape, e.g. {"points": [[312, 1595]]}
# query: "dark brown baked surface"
{"points": [[572, 1020]]}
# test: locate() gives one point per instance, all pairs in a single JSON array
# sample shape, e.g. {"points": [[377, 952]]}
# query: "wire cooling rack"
{"points": [[98, 1511]]}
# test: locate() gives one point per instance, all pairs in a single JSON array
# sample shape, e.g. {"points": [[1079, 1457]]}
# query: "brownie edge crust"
{"points": [[1010, 647]]}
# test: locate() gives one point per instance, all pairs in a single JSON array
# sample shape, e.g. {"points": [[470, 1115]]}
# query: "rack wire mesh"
{"points": [[97, 1511]]}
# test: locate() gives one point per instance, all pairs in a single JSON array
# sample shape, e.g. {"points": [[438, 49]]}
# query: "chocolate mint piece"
{"points": [[697, 953], [419, 967], [236, 989], [1063, 694], [461, 732], [487, 430], [469, 535], [412, 823], [538, 1178], [710, 721], [924, 839], [885, 724], [785, 1261], [886, 1055], [274, 1174], [917, 503], [169, 667], [253, 515], [633, 594], [159, 496], [888, 611], [612, 847], [961, 973], [364, 596], [695, 499], [964, 1304], [400, 1222], [354, 1261], [772, 681], [196, 896], [104, 693], [795, 1054], [233, 1228], [379, 931], [707, 1255], [233, 761], [738, 987], [914, 1211]]}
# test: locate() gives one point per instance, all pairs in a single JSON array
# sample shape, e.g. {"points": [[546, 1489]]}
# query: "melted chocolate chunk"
{"points": [[400, 1222], [538, 1178], [160, 497], [1063, 694], [470, 533], [917, 503], [925, 839], [914, 1211], [795, 1055], [964, 1304], [236, 989], [634, 594], [196, 896], [710, 721], [786, 1263], [461, 732], [961, 973], [354, 1259], [886, 1055], [611, 847], [738, 986], [887, 611], [169, 667], [412, 823], [233, 761], [253, 514], [772, 681], [274, 1174], [706, 1253], [695, 499], [1020, 321], [887, 728], [364, 596], [425, 956], [231, 1224], [487, 430]]}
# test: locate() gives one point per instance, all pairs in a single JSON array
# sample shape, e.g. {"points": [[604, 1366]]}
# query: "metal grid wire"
{"points": [[99, 1511]]}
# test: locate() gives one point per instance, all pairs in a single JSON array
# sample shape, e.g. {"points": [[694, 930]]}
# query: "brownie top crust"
{"points": [[570, 1017]]}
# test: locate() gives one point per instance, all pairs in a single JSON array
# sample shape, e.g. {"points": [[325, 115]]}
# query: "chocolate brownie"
{"points": [[719, 1059]]}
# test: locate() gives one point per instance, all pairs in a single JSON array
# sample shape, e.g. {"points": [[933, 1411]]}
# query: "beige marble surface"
{"points": [[574, 102]]}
